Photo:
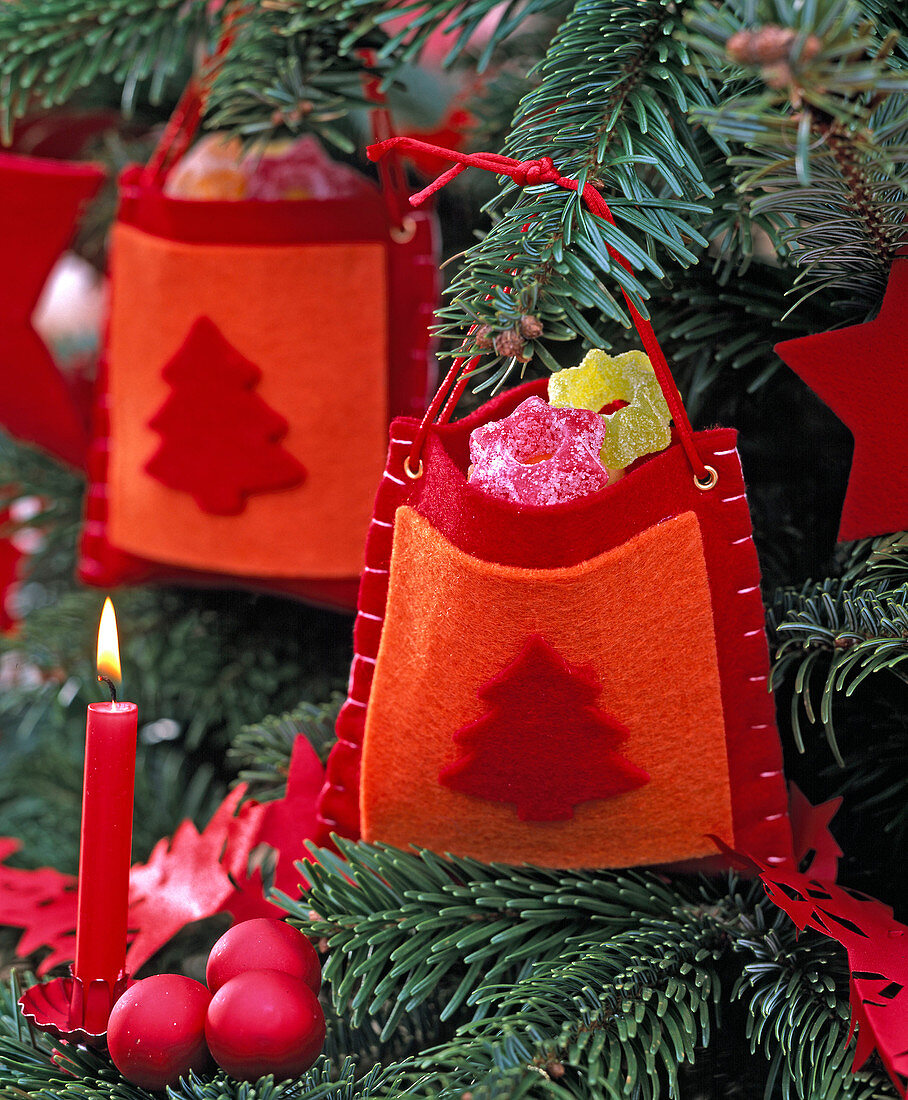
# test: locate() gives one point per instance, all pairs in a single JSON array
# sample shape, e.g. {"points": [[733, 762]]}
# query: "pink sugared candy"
{"points": [[539, 454]]}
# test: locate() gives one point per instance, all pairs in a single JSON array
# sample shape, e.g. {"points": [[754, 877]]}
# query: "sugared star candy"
{"points": [[641, 427], [539, 454]]}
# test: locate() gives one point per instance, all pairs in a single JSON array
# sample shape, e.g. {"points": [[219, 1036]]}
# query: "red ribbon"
{"points": [[531, 173]]}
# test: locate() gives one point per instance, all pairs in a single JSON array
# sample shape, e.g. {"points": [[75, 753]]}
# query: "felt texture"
{"points": [[218, 443], [338, 435], [542, 744], [656, 488], [40, 202], [876, 501], [452, 623], [265, 302]]}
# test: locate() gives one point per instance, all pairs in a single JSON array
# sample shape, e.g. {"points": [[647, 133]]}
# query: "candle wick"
{"points": [[111, 687]]}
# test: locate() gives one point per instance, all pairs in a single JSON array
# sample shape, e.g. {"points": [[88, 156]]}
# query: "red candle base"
{"points": [[71, 1009]]}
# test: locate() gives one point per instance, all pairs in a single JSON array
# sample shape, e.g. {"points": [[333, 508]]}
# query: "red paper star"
{"points": [[861, 373], [43, 904], [810, 829], [285, 825], [40, 201], [182, 881]]}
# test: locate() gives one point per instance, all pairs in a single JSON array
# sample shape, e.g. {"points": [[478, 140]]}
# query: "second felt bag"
{"points": [[256, 352]]}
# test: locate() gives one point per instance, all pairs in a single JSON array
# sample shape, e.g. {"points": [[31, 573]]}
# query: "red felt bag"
{"points": [[256, 353], [575, 685]]}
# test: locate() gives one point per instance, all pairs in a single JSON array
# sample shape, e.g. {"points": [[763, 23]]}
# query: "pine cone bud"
{"points": [[769, 45], [509, 343], [555, 1070], [529, 327], [482, 337]]}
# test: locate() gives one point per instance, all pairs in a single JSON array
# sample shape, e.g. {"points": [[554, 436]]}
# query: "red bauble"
{"points": [[156, 1031], [263, 944], [264, 1021]]}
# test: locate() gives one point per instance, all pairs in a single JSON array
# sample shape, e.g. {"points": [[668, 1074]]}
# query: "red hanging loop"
{"points": [[528, 174], [184, 122], [390, 169]]}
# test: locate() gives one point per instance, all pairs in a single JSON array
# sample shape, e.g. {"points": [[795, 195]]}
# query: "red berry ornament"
{"points": [[263, 944], [156, 1031], [264, 1021]]}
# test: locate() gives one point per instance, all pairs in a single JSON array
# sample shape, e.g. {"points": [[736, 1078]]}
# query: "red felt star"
{"points": [[40, 201], [861, 373]]}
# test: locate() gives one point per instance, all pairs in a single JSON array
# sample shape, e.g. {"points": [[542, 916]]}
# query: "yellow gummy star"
{"points": [[641, 427]]}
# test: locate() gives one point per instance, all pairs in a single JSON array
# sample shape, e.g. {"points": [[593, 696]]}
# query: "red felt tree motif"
{"points": [[543, 746], [220, 441]]}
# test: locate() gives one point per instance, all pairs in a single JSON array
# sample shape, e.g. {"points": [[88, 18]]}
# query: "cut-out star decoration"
{"points": [[42, 903], [183, 881], [40, 203], [810, 829], [861, 373], [874, 941], [284, 825]]}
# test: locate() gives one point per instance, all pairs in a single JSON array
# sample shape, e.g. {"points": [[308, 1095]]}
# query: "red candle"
{"points": [[104, 856]]}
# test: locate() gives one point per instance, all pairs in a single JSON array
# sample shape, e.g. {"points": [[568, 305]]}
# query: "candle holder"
{"points": [[71, 1009]]}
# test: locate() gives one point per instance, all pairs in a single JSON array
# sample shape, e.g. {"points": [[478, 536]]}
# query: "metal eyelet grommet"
{"points": [[405, 232], [709, 482], [413, 476]]}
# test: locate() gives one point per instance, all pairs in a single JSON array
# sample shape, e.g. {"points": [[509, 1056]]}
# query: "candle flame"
{"points": [[108, 646]]}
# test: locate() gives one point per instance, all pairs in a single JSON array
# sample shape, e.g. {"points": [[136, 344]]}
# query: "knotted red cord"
{"points": [[529, 173]]}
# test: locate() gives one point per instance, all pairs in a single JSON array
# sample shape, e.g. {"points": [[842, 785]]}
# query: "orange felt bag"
{"points": [[256, 353], [573, 685]]}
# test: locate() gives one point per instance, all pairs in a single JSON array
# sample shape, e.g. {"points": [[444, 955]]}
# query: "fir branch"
{"points": [[824, 128], [49, 49], [286, 70], [458, 19], [841, 635], [796, 989], [612, 94], [263, 750], [399, 924], [615, 1014], [711, 325], [56, 493]]}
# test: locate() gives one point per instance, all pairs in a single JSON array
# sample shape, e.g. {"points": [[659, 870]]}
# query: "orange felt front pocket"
{"points": [[269, 302], [638, 618]]}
